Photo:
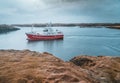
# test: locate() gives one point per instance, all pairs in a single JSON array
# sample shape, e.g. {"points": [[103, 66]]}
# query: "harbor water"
{"points": [[77, 41]]}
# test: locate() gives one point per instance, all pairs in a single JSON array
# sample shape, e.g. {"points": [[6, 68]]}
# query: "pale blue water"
{"points": [[77, 41]]}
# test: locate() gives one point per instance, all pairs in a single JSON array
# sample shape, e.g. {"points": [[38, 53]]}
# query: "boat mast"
{"points": [[32, 27]]}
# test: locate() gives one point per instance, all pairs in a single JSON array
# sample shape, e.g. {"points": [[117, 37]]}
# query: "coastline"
{"points": [[7, 28], [114, 27], [83, 25], [23, 66]]}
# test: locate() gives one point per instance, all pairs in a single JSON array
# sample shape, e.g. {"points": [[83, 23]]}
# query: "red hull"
{"points": [[43, 37]]}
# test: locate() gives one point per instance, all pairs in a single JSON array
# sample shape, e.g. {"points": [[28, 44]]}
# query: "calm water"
{"points": [[77, 41]]}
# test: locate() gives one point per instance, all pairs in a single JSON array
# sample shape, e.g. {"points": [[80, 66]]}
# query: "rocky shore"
{"points": [[33, 67], [114, 27], [7, 28]]}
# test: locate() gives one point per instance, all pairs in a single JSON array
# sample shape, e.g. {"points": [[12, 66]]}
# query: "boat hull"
{"points": [[43, 37]]}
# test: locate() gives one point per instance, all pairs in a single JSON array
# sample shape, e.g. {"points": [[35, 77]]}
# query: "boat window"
{"points": [[45, 30]]}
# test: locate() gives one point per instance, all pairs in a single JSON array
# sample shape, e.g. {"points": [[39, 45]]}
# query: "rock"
{"points": [[27, 66], [82, 61], [103, 69], [7, 28]]}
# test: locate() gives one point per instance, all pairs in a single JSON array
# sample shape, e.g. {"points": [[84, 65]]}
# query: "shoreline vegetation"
{"points": [[25, 66], [107, 25], [7, 28]]}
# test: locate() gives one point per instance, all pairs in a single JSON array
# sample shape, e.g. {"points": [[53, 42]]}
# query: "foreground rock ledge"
{"points": [[33, 67]]}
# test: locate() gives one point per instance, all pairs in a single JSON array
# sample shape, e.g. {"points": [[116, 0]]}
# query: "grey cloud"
{"points": [[61, 11]]}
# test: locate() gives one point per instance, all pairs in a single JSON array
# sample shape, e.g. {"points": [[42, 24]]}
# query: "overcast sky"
{"points": [[68, 11]]}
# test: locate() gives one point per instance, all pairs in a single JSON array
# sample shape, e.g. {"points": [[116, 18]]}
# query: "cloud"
{"points": [[28, 11]]}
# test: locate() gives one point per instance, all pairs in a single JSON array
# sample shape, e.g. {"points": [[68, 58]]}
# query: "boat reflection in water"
{"points": [[45, 45]]}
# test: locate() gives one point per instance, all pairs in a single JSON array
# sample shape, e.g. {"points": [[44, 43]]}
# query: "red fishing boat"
{"points": [[47, 34]]}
